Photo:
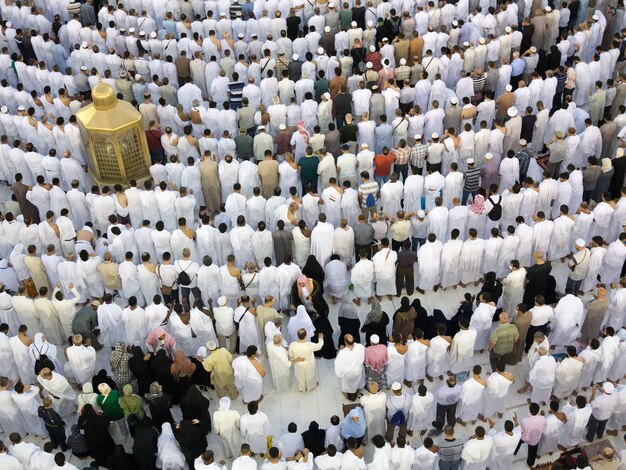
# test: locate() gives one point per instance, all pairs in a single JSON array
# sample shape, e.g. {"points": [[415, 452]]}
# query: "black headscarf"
{"points": [[553, 60], [491, 285], [421, 320], [120, 460], [141, 369], [102, 378], [160, 367], [314, 270]]}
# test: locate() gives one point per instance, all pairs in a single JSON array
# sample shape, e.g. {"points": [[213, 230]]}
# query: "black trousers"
{"points": [[184, 291], [57, 437], [445, 413], [595, 428], [532, 452]]}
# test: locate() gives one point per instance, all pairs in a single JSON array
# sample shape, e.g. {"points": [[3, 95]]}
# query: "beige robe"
{"points": [[37, 271], [211, 187]]}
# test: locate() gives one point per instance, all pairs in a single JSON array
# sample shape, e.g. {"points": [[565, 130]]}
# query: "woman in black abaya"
{"points": [[349, 323], [313, 270], [376, 324], [191, 437], [139, 365], [194, 405], [96, 428], [322, 325], [161, 371], [145, 445]]}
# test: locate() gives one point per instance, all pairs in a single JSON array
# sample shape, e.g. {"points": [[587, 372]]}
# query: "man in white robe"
{"points": [[575, 427], [336, 279], [391, 194], [438, 220], [332, 202], [287, 273], [504, 443], [322, 240], [560, 241], [362, 278], [240, 237], [349, 367], [450, 258], [482, 320], [65, 307], [568, 374], [542, 377], [280, 364], [609, 352], [81, 359], [462, 348], [471, 401], [374, 404], [471, 258], [11, 418], [25, 309], [249, 373], [476, 452], [255, 427], [60, 390], [385, 270], [567, 322], [130, 280], [26, 398]]}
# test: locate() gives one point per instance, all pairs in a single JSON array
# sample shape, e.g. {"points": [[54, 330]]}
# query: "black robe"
{"points": [[191, 438], [161, 370], [160, 410], [145, 445], [349, 326], [322, 325], [194, 405], [99, 440], [379, 328], [314, 441], [537, 277], [141, 370]]}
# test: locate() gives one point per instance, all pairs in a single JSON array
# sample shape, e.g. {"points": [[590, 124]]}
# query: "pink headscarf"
{"points": [[302, 130], [152, 340], [478, 206], [303, 279]]}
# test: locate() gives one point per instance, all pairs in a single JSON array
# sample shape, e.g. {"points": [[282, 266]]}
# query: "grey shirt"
{"points": [[363, 234]]}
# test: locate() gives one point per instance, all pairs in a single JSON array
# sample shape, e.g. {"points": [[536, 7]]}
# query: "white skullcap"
{"points": [[403, 61], [434, 135], [595, 17], [421, 214], [4, 110], [221, 301], [396, 386], [454, 100], [282, 127], [417, 137], [295, 57], [131, 30], [489, 156], [153, 35], [211, 346], [84, 44], [533, 49], [512, 111], [466, 44], [327, 29], [608, 388], [142, 33], [320, 50], [353, 24], [374, 339], [523, 142], [370, 23], [372, 48], [580, 242], [481, 40], [240, 36], [508, 87], [508, 29], [369, 65], [548, 9], [470, 161], [21, 108], [385, 40]]}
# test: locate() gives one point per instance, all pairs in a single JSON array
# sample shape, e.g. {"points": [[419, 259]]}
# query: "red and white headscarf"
{"points": [[302, 130]]}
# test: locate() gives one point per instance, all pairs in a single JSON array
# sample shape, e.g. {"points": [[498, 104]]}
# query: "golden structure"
{"points": [[118, 150]]}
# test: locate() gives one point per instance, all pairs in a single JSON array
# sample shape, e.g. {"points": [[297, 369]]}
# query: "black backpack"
{"points": [[42, 363], [495, 213], [183, 278]]}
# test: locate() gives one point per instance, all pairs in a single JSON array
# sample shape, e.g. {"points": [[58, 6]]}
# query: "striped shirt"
{"points": [[450, 451], [235, 90], [418, 154], [472, 177], [366, 188], [479, 83]]}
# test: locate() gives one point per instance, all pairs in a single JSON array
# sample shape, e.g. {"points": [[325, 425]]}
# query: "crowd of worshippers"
{"points": [[428, 364]]}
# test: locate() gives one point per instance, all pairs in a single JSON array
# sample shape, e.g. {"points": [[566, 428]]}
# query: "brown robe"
{"points": [[211, 188], [268, 172], [523, 324], [596, 309], [27, 207]]}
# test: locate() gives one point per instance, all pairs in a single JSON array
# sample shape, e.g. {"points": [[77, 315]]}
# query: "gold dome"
{"points": [[103, 96]]}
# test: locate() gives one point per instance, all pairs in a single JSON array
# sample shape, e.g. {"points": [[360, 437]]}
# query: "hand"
{"points": [[194, 421], [321, 336], [58, 286], [70, 285]]}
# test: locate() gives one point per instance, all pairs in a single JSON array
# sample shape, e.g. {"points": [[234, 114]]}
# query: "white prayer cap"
{"points": [[455, 23], [261, 128], [374, 339], [83, 68], [320, 51], [421, 214], [364, 146], [353, 24], [202, 352], [608, 388], [417, 137], [4, 110], [327, 29], [619, 152], [508, 30], [223, 15], [221, 301], [282, 127], [595, 17], [403, 61], [396, 386], [84, 45], [240, 36], [295, 57], [533, 49], [138, 77], [123, 73], [331, 5], [211, 346], [523, 142], [142, 33], [470, 161], [254, 35], [434, 135], [481, 40], [9, 24], [372, 48], [466, 44], [512, 111], [489, 156], [276, 100], [580, 242], [153, 35], [548, 9], [508, 87], [385, 40], [370, 23], [454, 100], [131, 30], [21, 108], [326, 95]]}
